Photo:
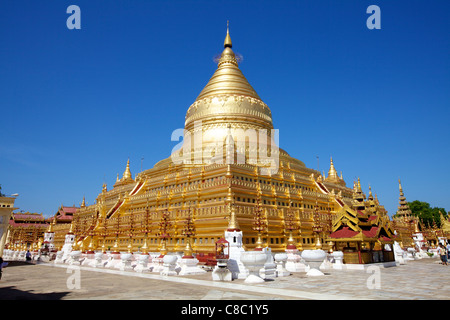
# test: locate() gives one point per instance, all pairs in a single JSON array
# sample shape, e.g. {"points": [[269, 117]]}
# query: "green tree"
{"points": [[1, 194], [426, 213]]}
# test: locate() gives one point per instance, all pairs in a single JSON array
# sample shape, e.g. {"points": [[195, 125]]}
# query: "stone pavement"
{"points": [[424, 279]]}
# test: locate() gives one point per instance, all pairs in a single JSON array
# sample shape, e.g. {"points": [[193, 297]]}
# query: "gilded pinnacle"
{"points": [[127, 173], [227, 43], [233, 224], [332, 172]]}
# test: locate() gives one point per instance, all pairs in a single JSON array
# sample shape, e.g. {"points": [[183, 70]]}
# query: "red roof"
{"points": [[64, 214], [345, 232], [25, 219], [27, 224], [370, 233], [69, 209], [27, 216]]}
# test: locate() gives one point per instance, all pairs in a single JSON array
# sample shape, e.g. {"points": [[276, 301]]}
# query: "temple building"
{"points": [[26, 229], [228, 163], [363, 231], [61, 221]]}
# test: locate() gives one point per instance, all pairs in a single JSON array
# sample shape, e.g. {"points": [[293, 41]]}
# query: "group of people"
{"points": [[444, 253]]}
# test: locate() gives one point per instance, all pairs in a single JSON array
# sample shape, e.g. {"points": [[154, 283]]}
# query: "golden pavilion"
{"points": [[228, 168], [363, 231]]}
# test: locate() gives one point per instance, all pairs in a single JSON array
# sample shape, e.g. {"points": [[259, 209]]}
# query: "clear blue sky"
{"points": [[76, 104]]}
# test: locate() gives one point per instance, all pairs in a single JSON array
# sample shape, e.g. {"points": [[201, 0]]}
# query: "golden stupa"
{"points": [[228, 167]]}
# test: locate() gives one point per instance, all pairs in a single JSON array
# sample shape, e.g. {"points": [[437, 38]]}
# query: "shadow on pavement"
{"points": [[9, 264], [11, 293]]}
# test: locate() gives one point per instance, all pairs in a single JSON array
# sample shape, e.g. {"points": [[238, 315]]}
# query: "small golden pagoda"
{"points": [[229, 155], [363, 230], [404, 222]]}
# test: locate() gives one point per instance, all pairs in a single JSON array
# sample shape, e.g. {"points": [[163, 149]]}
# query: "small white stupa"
{"points": [[234, 236], [68, 244]]}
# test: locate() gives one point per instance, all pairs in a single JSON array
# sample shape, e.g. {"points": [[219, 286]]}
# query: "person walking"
{"points": [[448, 250], [442, 251]]}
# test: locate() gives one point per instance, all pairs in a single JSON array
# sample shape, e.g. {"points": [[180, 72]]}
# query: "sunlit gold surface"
{"points": [[223, 196]]}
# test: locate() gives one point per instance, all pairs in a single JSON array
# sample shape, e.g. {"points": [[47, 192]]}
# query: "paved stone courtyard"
{"points": [[424, 279]]}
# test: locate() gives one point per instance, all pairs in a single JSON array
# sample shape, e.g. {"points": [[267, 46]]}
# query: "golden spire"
{"points": [[333, 176], [332, 173], [370, 193], [227, 42], [50, 227], [233, 224], [402, 195], [228, 78], [127, 173], [71, 228], [403, 208], [358, 194], [83, 204]]}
